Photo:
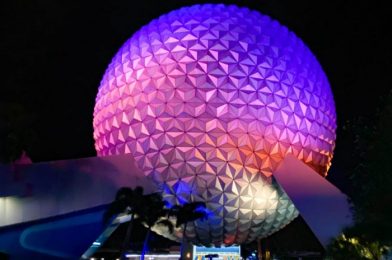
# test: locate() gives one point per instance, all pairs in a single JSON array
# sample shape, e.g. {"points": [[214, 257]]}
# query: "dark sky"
{"points": [[54, 53]]}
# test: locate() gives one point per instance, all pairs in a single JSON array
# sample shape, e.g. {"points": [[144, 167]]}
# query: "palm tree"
{"points": [[187, 213], [149, 210], [127, 201], [152, 212]]}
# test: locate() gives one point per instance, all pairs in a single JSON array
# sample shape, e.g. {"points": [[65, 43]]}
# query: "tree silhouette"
{"points": [[370, 175], [152, 212], [187, 213], [128, 201]]}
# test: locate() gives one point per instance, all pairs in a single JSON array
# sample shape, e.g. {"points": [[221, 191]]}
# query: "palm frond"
{"points": [[167, 223]]}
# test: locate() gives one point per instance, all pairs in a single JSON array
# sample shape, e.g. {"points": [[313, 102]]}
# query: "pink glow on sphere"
{"points": [[209, 99]]}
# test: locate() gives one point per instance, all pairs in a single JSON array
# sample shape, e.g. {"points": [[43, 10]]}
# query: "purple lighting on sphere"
{"points": [[209, 99]]}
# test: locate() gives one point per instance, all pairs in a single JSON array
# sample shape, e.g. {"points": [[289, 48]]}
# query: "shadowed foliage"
{"points": [[187, 213], [149, 210], [128, 201], [370, 174]]}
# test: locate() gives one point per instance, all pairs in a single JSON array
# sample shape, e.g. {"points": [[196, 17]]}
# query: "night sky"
{"points": [[54, 53]]}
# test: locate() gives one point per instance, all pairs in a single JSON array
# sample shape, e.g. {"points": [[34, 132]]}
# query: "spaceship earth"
{"points": [[209, 99]]}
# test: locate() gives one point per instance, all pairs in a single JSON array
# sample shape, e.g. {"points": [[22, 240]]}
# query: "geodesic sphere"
{"points": [[209, 99]]}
